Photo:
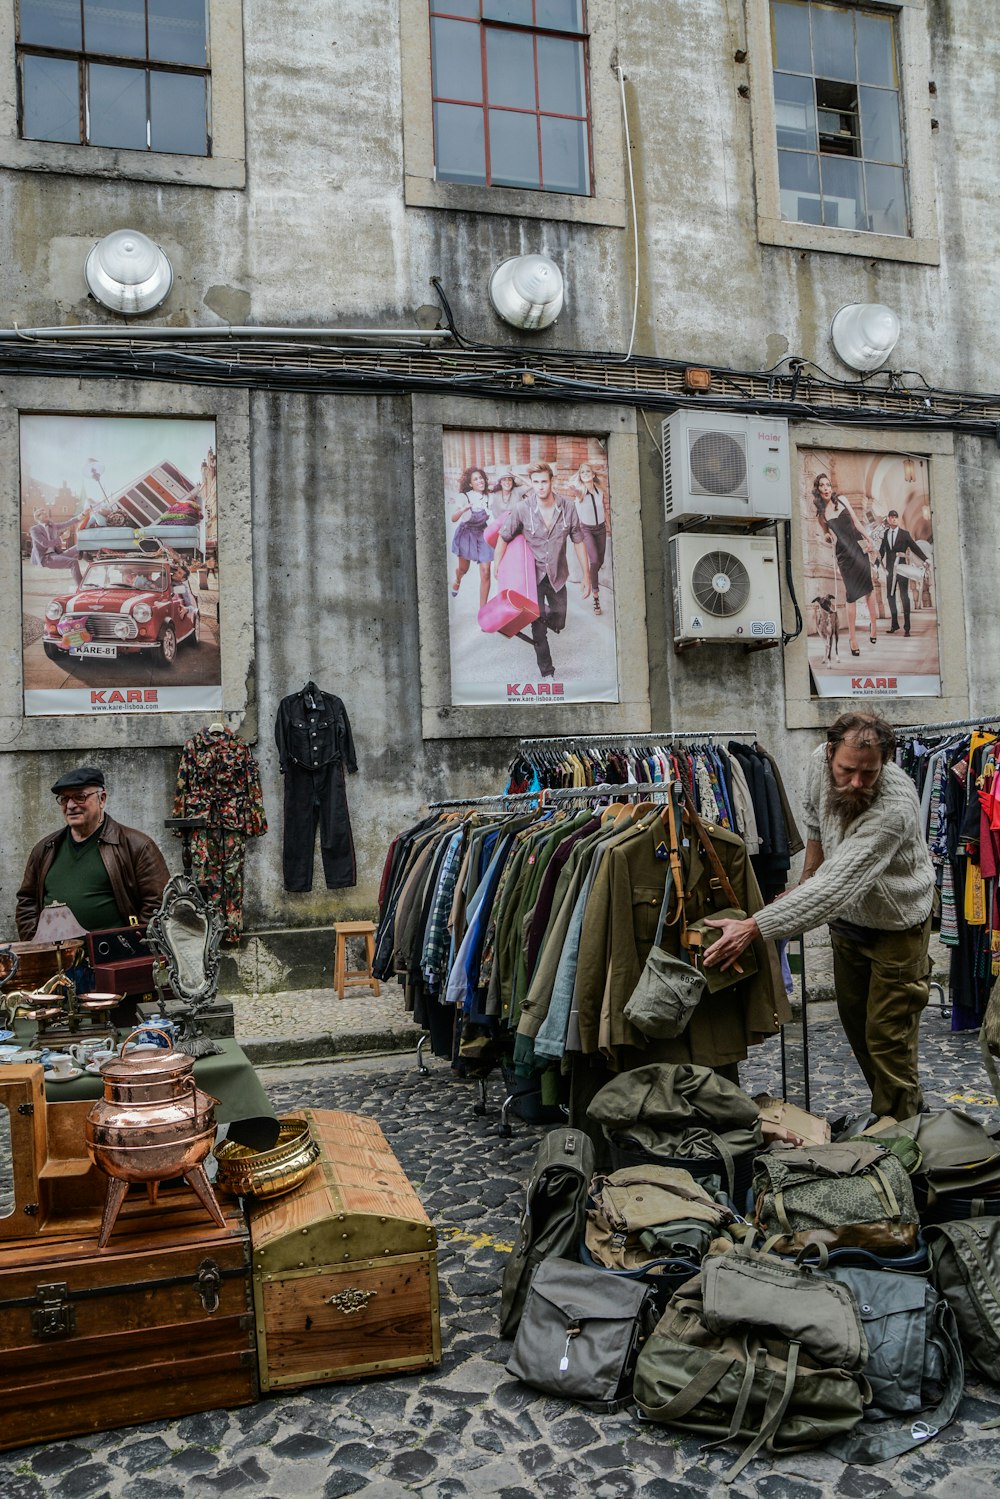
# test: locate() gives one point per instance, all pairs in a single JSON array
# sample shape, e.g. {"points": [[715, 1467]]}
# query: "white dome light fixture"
{"points": [[127, 272], [864, 334], [527, 291]]}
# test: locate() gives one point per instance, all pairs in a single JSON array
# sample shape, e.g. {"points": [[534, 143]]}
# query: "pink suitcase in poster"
{"points": [[516, 605]]}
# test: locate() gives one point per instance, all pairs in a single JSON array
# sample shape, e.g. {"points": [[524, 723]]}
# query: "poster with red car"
{"points": [[529, 568], [119, 565]]}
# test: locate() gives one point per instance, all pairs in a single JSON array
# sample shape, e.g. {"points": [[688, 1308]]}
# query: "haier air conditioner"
{"points": [[725, 587], [722, 467]]}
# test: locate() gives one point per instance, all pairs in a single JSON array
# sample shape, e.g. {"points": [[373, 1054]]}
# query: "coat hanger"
{"points": [[217, 728]]}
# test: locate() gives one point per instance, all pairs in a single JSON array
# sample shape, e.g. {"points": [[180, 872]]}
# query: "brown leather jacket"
{"points": [[135, 866]]}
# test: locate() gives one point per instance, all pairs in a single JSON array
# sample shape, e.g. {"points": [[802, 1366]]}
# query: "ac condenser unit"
{"points": [[722, 467], [725, 587]]}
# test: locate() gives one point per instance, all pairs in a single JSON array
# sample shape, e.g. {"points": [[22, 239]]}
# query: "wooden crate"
{"points": [[158, 1324], [345, 1268]]}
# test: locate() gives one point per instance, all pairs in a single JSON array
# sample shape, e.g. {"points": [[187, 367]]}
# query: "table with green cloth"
{"points": [[229, 1077]]}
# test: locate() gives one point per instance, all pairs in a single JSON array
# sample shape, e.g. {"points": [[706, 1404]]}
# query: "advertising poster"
{"points": [[528, 569], [119, 565], [870, 599]]}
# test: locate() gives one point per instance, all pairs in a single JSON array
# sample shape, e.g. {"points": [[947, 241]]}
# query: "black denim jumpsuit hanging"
{"points": [[313, 735]]}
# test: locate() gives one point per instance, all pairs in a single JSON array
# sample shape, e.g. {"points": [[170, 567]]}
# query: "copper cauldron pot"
{"points": [[153, 1122]]}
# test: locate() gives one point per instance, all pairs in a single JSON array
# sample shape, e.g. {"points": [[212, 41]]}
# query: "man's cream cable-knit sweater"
{"points": [[877, 872]]}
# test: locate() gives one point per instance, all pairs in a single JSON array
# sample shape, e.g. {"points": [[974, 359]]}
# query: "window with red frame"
{"points": [[511, 105]]}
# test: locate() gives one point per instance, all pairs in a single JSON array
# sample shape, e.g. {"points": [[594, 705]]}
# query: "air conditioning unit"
{"points": [[725, 587], [722, 467]]}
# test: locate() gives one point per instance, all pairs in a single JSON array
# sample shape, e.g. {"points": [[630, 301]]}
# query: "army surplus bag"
{"points": [[965, 1268], [852, 1193], [914, 1367], [756, 1348], [580, 1333], [553, 1218], [645, 1213]]}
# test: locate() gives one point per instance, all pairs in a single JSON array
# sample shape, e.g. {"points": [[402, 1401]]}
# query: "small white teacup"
{"points": [[61, 1066]]}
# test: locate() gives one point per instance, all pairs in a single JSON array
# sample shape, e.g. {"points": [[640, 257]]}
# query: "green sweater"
{"points": [[876, 872], [78, 877]]}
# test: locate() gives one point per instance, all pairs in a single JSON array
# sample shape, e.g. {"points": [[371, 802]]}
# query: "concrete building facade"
{"points": [[334, 190]]}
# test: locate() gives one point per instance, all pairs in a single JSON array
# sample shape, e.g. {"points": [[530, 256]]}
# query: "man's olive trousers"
{"points": [[881, 979]]}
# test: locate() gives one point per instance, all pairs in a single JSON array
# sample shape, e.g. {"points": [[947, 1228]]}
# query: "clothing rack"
{"points": [[952, 723], [597, 793], [645, 736]]}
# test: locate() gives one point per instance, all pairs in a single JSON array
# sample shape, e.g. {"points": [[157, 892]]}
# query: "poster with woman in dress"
{"points": [[529, 568], [870, 595], [119, 565]]}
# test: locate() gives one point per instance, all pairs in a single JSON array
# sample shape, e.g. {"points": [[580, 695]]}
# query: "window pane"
{"points": [[50, 23], [51, 89], [178, 116], [876, 53], [117, 107], [564, 156], [518, 12], [178, 31], [798, 179], [790, 37], [456, 8], [456, 62], [833, 42], [843, 198], [559, 15], [795, 111], [886, 200], [459, 148], [513, 149], [561, 86], [510, 68], [881, 139], [118, 28]]}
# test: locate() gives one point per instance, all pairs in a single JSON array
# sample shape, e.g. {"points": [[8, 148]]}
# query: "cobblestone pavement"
{"points": [[467, 1428]]}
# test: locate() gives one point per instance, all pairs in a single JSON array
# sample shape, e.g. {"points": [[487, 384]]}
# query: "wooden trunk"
{"points": [[345, 1268], [156, 1325]]}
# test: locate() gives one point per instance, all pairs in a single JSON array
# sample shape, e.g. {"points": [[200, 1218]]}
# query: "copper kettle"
{"points": [[153, 1122]]}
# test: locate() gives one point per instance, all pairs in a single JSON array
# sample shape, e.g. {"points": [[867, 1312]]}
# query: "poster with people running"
{"points": [[870, 597], [528, 568], [119, 565]]}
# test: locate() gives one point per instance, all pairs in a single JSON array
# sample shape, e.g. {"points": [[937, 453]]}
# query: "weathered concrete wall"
{"points": [[321, 235]]}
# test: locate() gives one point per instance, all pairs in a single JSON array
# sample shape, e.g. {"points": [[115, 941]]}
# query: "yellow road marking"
{"points": [[986, 1099], [478, 1241]]}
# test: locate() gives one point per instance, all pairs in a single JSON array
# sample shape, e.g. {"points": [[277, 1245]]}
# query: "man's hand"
{"points": [[736, 936]]}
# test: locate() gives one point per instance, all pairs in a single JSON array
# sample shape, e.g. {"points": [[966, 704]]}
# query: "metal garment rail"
{"points": [[952, 723], [545, 798], [646, 735]]}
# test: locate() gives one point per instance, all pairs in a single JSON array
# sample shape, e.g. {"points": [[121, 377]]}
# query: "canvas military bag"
{"points": [[745, 1379], [553, 1217], [649, 1212], [965, 1268], [851, 1193], [914, 1366], [580, 1333]]}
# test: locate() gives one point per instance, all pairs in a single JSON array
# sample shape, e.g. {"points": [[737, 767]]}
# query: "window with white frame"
{"points": [[837, 113], [843, 139], [132, 74], [509, 86]]}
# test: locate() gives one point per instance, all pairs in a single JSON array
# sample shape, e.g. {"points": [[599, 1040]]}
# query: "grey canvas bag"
{"points": [[669, 988], [580, 1333], [965, 1268], [553, 1217]]}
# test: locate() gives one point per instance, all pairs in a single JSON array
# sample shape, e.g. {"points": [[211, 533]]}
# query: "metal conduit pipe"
{"points": [[101, 331]]}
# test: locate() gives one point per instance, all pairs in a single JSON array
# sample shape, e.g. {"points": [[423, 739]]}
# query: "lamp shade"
{"points": [[864, 334], [56, 923], [527, 291], [127, 272]]}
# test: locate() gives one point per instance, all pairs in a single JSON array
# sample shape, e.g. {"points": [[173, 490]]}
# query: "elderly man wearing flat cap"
{"points": [[104, 871]]}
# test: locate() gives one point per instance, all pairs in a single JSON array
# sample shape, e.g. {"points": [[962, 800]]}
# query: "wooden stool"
{"points": [[344, 978]]}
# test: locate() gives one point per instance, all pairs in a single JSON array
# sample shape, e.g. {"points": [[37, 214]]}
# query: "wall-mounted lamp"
{"points": [[527, 291], [864, 334], [127, 272]]}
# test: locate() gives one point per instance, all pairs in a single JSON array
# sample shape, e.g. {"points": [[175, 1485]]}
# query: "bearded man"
{"points": [[868, 873]]}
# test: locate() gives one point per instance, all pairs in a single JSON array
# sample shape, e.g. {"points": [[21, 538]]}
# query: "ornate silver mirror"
{"points": [[185, 933]]}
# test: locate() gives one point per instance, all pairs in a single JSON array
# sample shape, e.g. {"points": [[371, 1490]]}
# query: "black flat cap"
{"points": [[76, 780]]}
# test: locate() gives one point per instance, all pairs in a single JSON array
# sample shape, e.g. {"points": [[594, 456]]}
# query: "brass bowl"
{"points": [[268, 1173]]}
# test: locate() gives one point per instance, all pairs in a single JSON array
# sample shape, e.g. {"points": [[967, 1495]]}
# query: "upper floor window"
{"points": [[837, 117], [132, 74], [510, 94]]}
